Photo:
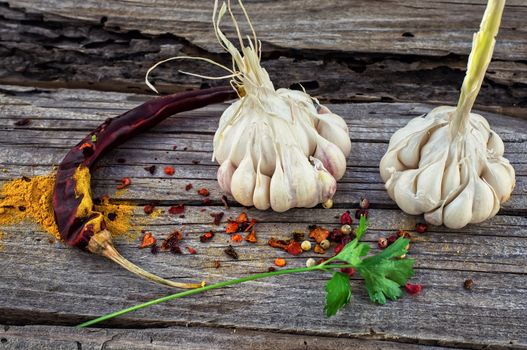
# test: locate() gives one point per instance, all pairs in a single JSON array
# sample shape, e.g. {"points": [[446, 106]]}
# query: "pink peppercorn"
{"points": [[345, 219], [421, 228], [413, 288]]}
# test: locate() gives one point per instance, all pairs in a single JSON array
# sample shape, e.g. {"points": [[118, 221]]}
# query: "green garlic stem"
{"points": [[478, 61], [209, 287]]}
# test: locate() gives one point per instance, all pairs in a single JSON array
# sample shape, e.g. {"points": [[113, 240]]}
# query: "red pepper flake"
{"points": [[23, 122], [277, 243], [319, 250], [280, 262], [151, 169], [361, 212], [251, 237], [177, 209], [149, 209], [242, 218], [207, 236], [294, 248], [192, 250], [188, 187], [231, 252], [225, 202], [217, 217], [232, 227], [413, 288], [405, 234], [348, 270], [125, 182], [250, 226], [148, 240], [217, 264], [421, 228], [364, 203], [237, 238], [338, 248], [345, 219], [172, 242], [318, 234], [203, 192], [169, 170]]}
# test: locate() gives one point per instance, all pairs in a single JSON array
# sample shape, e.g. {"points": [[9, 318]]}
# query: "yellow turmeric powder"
{"points": [[31, 199]]}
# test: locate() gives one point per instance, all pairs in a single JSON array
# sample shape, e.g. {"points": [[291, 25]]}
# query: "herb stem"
{"points": [[210, 287]]}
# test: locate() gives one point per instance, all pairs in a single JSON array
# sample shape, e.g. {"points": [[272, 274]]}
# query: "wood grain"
{"points": [[55, 285]]}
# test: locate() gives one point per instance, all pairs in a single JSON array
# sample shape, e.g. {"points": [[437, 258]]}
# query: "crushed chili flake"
{"points": [[217, 264], [345, 218], [148, 240], [188, 187], [231, 252], [23, 122], [421, 228], [350, 271], [250, 226], [294, 248], [151, 169], [251, 237], [413, 288], [148, 209], [280, 262], [217, 217], [405, 234], [125, 182], [361, 212], [318, 234], [237, 238], [195, 162], [319, 250], [172, 242], [207, 236], [177, 209], [225, 202], [192, 250], [336, 235], [232, 227], [277, 243], [203, 192], [242, 218], [169, 170], [338, 248]]}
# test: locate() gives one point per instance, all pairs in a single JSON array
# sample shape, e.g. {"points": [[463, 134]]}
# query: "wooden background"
{"points": [[68, 65]]}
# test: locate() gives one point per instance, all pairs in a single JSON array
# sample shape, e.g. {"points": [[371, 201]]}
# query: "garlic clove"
{"points": [[281, 197], [331, 156], [225, 172], [458, 213], [327, 185], [485, 201], [261, 196], [501, 177], [243, 181]]}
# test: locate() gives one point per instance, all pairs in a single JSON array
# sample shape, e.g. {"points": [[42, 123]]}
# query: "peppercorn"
{"points": [[382, 243], [319, 250], [421, 228], [361, 212], [203, 192], [345, 218], [413, 288], [468, 284], [306, 245], [364, 203], [345, 229], [325, 244], [328, 204], [310, 262], [149, 209]]}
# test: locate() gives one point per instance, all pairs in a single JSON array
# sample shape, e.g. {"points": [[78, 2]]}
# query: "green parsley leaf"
{"points": [[338, 293], [383, 275], [353, 251]]}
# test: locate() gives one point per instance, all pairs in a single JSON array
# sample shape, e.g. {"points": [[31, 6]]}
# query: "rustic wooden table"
{"points": [[67, 65]]}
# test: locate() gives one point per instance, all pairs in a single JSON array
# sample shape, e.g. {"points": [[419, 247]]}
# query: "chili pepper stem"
{"points": [[101, 244], [320, 267]]}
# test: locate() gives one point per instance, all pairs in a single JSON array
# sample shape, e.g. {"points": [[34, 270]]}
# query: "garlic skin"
{"points": [[454, 182]]}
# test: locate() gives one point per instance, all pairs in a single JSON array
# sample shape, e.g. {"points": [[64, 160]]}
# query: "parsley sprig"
{"points": [[384, 274]]}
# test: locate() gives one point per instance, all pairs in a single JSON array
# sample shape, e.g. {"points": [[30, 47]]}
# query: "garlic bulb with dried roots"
{"points": [[278, 149], [449, 164]]}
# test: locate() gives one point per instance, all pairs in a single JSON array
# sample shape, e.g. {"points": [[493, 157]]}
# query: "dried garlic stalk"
{"points": [[449, 164], [278, 149]]}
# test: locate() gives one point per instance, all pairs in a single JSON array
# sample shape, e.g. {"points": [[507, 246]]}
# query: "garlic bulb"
{"points": [[449, 164], [275, 149]]}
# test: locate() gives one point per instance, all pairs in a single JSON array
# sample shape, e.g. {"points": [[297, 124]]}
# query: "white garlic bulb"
{"points": [[449, 164], [275, 148]]}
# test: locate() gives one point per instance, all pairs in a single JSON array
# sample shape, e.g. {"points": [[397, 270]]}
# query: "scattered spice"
{"points": [[350, 271], [294, 248], [421, 228], [125, 182], [280, 262], [207, 236], [271, 269], [148, 240], [177, 209], [251, 237], [172, 242], [148, 209], [277, 243], [318, 233], [413, 288], [237, 238], [306, 245], [231, 252], [154, 249], [206, 201], [151, 169], [23, 122], [468, 284], [346, 229], [311, 262], [203, 192], [382, 243], [364, 203], [405, 234], [225, 202], [325, 244], [216, 264], [188, 187], [298, 236], [217, 217], [169, 170], [192, 250], [361, 212], [345, 218], [232, 227], [391, 239], [319, 250]]}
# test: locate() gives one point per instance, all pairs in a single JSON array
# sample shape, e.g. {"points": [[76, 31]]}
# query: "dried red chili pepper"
{"points": [[413, 288], [237, 238], [207, 236], [232, 227], [217, 217], [294, 248], [251, 237], [318, 234], [79, 225], [148, 240]]}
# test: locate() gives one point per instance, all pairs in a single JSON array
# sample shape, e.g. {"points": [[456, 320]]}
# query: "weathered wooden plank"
{"points": [[358, 52], [62, 338]]}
